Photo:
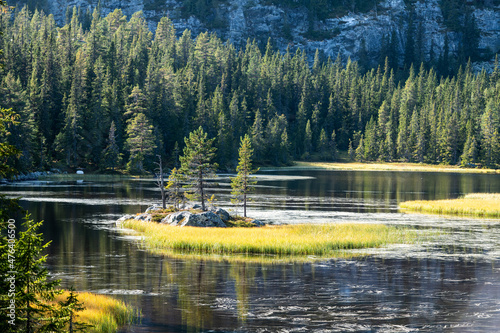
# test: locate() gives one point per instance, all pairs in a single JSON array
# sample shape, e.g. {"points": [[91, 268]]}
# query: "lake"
{"points": [[449, 284]]}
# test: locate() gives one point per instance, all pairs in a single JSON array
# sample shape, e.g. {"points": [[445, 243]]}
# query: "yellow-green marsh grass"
{"points": [[282, 240], [381, 166], [104, 313], [474, 204]]}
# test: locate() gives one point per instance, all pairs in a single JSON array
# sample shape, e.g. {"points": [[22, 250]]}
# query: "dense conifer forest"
{"points": [[111, 94]]}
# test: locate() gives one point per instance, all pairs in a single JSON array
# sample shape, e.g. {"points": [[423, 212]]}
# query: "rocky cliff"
{"points": [[289, 23]]}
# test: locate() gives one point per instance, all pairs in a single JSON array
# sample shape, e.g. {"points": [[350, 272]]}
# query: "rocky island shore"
{"points": [[191, 215]]}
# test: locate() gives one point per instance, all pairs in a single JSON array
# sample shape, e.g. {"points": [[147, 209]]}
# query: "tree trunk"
{"points": [[200, 175], [161, 184]]}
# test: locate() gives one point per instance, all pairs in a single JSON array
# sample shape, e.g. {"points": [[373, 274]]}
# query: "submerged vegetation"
{"points": [[290, 240], [474, 204]]}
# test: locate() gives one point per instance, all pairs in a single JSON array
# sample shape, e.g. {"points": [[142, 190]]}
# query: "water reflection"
{"points": [[449, 285]]}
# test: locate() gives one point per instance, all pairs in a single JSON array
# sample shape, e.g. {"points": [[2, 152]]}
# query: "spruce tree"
{"points": [[174, 186], [140, 142], [196, 163], [243, 183], [307, 141], [111, 156], [36, 310]]}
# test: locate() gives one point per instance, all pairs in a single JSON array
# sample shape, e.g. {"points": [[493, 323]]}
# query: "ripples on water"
{"points": [[448, 284]]}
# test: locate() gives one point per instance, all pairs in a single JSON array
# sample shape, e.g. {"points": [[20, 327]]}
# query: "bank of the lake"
{"points": [[474, 204], [324, 240], [382, 166]]}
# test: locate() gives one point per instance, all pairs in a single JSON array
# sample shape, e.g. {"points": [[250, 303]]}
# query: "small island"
{"points": [[242, 237], [196, 229]]}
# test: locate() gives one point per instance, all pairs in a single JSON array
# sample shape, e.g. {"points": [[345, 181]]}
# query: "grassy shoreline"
{"points": [[104, 313], [283, 241], [486, 205], [381, 166]]}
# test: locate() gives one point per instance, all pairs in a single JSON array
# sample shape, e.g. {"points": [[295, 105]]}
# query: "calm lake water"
{"points": [[451, 284]]}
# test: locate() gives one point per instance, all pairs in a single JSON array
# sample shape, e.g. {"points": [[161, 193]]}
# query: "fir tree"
{"points": [[243, 184], [196, 163], [360, 150], [307, 141], [174, 186], [140, 142], [36, 310], [111, 154]]}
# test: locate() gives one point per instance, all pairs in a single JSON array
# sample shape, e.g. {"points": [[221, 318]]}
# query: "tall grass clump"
{"points": [[473, 204], [295, 240], [104, 314]]}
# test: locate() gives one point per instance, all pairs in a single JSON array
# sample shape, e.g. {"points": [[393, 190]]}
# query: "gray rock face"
{"points": [[143, 217], [185, 218], [124, 218], [288, 25], [223, 214], [175, 218], [153, 208], [205, 219], [258, 223]]}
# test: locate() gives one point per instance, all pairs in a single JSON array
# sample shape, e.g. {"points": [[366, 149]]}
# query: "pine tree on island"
{"points": [[243, 183], [197, 164]]}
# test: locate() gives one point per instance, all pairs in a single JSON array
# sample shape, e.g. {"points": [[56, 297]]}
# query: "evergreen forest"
{"points": [[113, 95]]}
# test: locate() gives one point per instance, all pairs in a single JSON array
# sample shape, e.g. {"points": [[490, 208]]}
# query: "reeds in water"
{"points": [[473, 204]]}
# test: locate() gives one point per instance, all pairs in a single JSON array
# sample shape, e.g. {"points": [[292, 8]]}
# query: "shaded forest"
{"points": [[114, 95]]}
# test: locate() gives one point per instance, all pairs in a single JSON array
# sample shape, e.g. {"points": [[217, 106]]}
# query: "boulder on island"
{"points": [[185, 218], [152, 209], [223, 214], [124, 218], [175, 218], [143, 217], [258, 223]]}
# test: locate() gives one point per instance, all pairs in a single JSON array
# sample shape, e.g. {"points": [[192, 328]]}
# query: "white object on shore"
{"points": [[79, 172]]}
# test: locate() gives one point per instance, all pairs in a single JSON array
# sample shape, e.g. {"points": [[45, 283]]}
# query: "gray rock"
{"points": [[190, 205], [205, 219], [175, 218], [143, 217], [223, 214], [258, 223], [124, 218], [152, 209], [287, 25]]}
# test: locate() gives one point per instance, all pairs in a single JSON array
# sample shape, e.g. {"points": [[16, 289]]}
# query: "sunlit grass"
{"points": [[474, 204], [284, 240], [104, 313], [383, 166]]}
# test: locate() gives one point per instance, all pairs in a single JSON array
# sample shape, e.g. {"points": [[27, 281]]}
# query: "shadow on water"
{"points": [[449, 285]]}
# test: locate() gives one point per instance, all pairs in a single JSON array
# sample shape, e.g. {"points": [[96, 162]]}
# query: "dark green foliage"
{"points": [[82, 94], [34, 291], [243, 183], [140, 142], [197, 165]]}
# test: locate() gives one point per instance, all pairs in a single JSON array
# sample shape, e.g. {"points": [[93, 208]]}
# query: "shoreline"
{"points": [[380, 166]]}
